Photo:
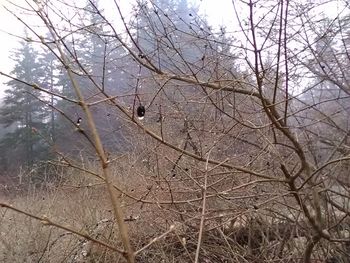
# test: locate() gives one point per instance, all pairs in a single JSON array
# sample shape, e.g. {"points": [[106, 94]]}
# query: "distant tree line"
{"points": [[36, 124]]}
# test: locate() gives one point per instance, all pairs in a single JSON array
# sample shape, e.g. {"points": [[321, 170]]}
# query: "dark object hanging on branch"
{"points": [[141, 112], [79, 121]]}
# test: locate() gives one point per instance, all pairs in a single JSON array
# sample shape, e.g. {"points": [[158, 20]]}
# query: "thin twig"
{"points": [[46, 221], [204, 203]]}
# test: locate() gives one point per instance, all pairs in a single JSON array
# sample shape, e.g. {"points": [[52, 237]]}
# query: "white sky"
{"points": [[217, 14], [7, 24]]}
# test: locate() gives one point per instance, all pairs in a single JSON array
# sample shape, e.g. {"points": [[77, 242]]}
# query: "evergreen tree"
{"points": [[172, 35], [49, 80], [99, 52], [165, 35], [104, 57], [95, 58], [23, 111]]}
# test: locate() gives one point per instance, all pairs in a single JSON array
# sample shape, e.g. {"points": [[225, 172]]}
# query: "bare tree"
{"points": [[238, 137]]}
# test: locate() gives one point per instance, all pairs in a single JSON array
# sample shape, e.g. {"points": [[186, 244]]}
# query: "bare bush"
{"points": [[232, 143]]}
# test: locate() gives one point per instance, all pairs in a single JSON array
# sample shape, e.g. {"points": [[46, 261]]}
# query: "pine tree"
{"points": [[23, 111], [95, 58], [104, 57], [49, 80], [172, 35], [163, 32]]}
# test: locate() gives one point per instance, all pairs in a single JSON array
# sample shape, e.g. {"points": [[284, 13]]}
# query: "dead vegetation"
{"points": [[163, 230], [222, 163]]}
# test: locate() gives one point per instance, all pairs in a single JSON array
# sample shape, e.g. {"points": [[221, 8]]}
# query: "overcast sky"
{"points": [[218, 12], [10, 27]]}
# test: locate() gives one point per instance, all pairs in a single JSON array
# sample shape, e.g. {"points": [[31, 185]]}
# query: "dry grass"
{"points": [[24, 239], [80, 201]]}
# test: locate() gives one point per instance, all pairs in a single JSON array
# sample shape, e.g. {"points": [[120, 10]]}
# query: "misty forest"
{"points": [[138, 131]]}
